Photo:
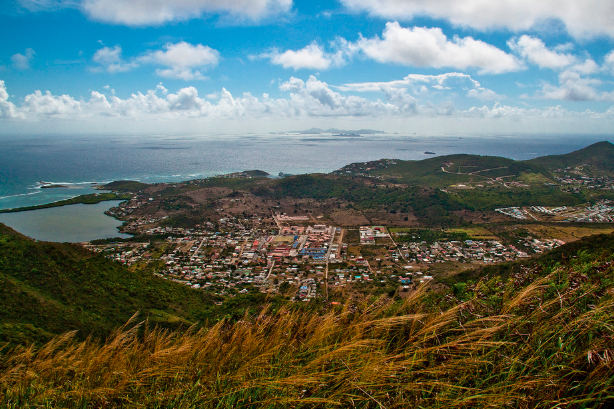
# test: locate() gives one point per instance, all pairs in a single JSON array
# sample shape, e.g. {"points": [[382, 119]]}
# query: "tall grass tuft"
{"points": [[526, 342]]}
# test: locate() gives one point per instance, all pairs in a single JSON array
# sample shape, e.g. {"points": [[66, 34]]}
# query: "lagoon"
{"points": [[73, 223]]}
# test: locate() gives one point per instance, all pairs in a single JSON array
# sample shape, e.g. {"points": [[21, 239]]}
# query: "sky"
{"points": [[444, 67]]}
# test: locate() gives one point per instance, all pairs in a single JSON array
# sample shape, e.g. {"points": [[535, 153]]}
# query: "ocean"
{"points": [[78, 162]]}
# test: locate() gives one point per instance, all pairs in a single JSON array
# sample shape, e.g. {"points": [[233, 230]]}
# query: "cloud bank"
{"points": [[181, 60], [156, 12], [306, 99], [582, 18], [429, 47]]}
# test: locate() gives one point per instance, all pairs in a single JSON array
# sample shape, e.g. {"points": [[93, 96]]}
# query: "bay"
{"points": [[73, 223]]}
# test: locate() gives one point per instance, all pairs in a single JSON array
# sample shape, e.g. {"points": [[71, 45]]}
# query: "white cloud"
{"points": [[7, 109], [182, 59], [310, 57], [47, 5], [110, 59], [22, 61], [484, 94], [421, 85], [310, 101], [39, 104], [155, 12], [609, 62], [313, 56], [581, 17], [535, 51], [573, 87], [429, 47]]}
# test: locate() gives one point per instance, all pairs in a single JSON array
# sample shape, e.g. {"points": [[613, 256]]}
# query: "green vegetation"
{"points": [[50, 288], [256, 173], [490, 199], [125, 186], [532, 333], [539, 337], [84, 199], [598, 156], [432, 205], [428, 235]]}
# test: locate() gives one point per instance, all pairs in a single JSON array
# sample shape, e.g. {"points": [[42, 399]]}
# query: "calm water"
{"points": [[78, 161], [74, 223]]}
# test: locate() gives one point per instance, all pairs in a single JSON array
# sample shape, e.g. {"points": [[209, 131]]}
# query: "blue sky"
{"points": [[201, 66]]}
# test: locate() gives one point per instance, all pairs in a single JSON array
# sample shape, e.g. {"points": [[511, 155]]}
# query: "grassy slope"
{"points": [[540, 337], [50, 288], [599, 155]]}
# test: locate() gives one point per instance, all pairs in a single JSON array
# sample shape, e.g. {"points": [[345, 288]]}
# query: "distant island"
{"points": [[53, 186], [338, 132]]}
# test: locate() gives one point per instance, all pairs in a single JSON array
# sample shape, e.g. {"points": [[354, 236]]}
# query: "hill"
{"points": [[599, 157], [445, 170], [50, 288]]}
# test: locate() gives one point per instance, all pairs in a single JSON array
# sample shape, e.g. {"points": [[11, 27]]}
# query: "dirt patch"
{"points": [[202, 196], [348, 217], [566, 233]]}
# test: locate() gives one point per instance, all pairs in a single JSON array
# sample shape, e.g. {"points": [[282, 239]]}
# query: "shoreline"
{"points": [[92, 198]]}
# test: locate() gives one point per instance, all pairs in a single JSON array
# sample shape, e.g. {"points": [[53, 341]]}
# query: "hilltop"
{"points": [[598, 158]]}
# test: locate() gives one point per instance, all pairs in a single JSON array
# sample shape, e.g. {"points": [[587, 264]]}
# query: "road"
{"points": [[330, 245]]}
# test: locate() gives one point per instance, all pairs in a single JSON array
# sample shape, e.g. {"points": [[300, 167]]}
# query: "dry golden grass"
{"points": [[544, 344]]}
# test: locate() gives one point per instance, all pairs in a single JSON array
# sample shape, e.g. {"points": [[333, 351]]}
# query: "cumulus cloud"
{"points": [[310, 57], [483, 94], [535, 51], [39, 104], [22, 61], [7, 109], [581, 17], [110, 60], [574, 87], [453, 82], [313, 56], [155, 12], [182, 60], [305, 99], [429, 47]]}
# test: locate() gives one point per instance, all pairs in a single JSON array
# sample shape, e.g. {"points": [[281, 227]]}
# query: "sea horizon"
{"points": [[80, 162]]}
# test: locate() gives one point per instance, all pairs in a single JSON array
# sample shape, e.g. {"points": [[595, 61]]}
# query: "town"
{"points": [[600, 212], [298, 258]]}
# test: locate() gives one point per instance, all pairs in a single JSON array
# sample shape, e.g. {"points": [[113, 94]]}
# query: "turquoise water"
{"points": [[74, 223]]}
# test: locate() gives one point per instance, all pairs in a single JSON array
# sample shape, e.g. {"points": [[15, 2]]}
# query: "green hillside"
{"points": [[444, 169], [50, 288], [125, 186], [599, 157], [538, 336]]}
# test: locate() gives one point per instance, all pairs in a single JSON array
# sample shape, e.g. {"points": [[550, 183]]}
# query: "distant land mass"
{"points": [[318, 131]]}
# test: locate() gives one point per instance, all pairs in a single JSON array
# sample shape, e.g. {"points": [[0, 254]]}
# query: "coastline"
{"points": [[92, 198]]}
